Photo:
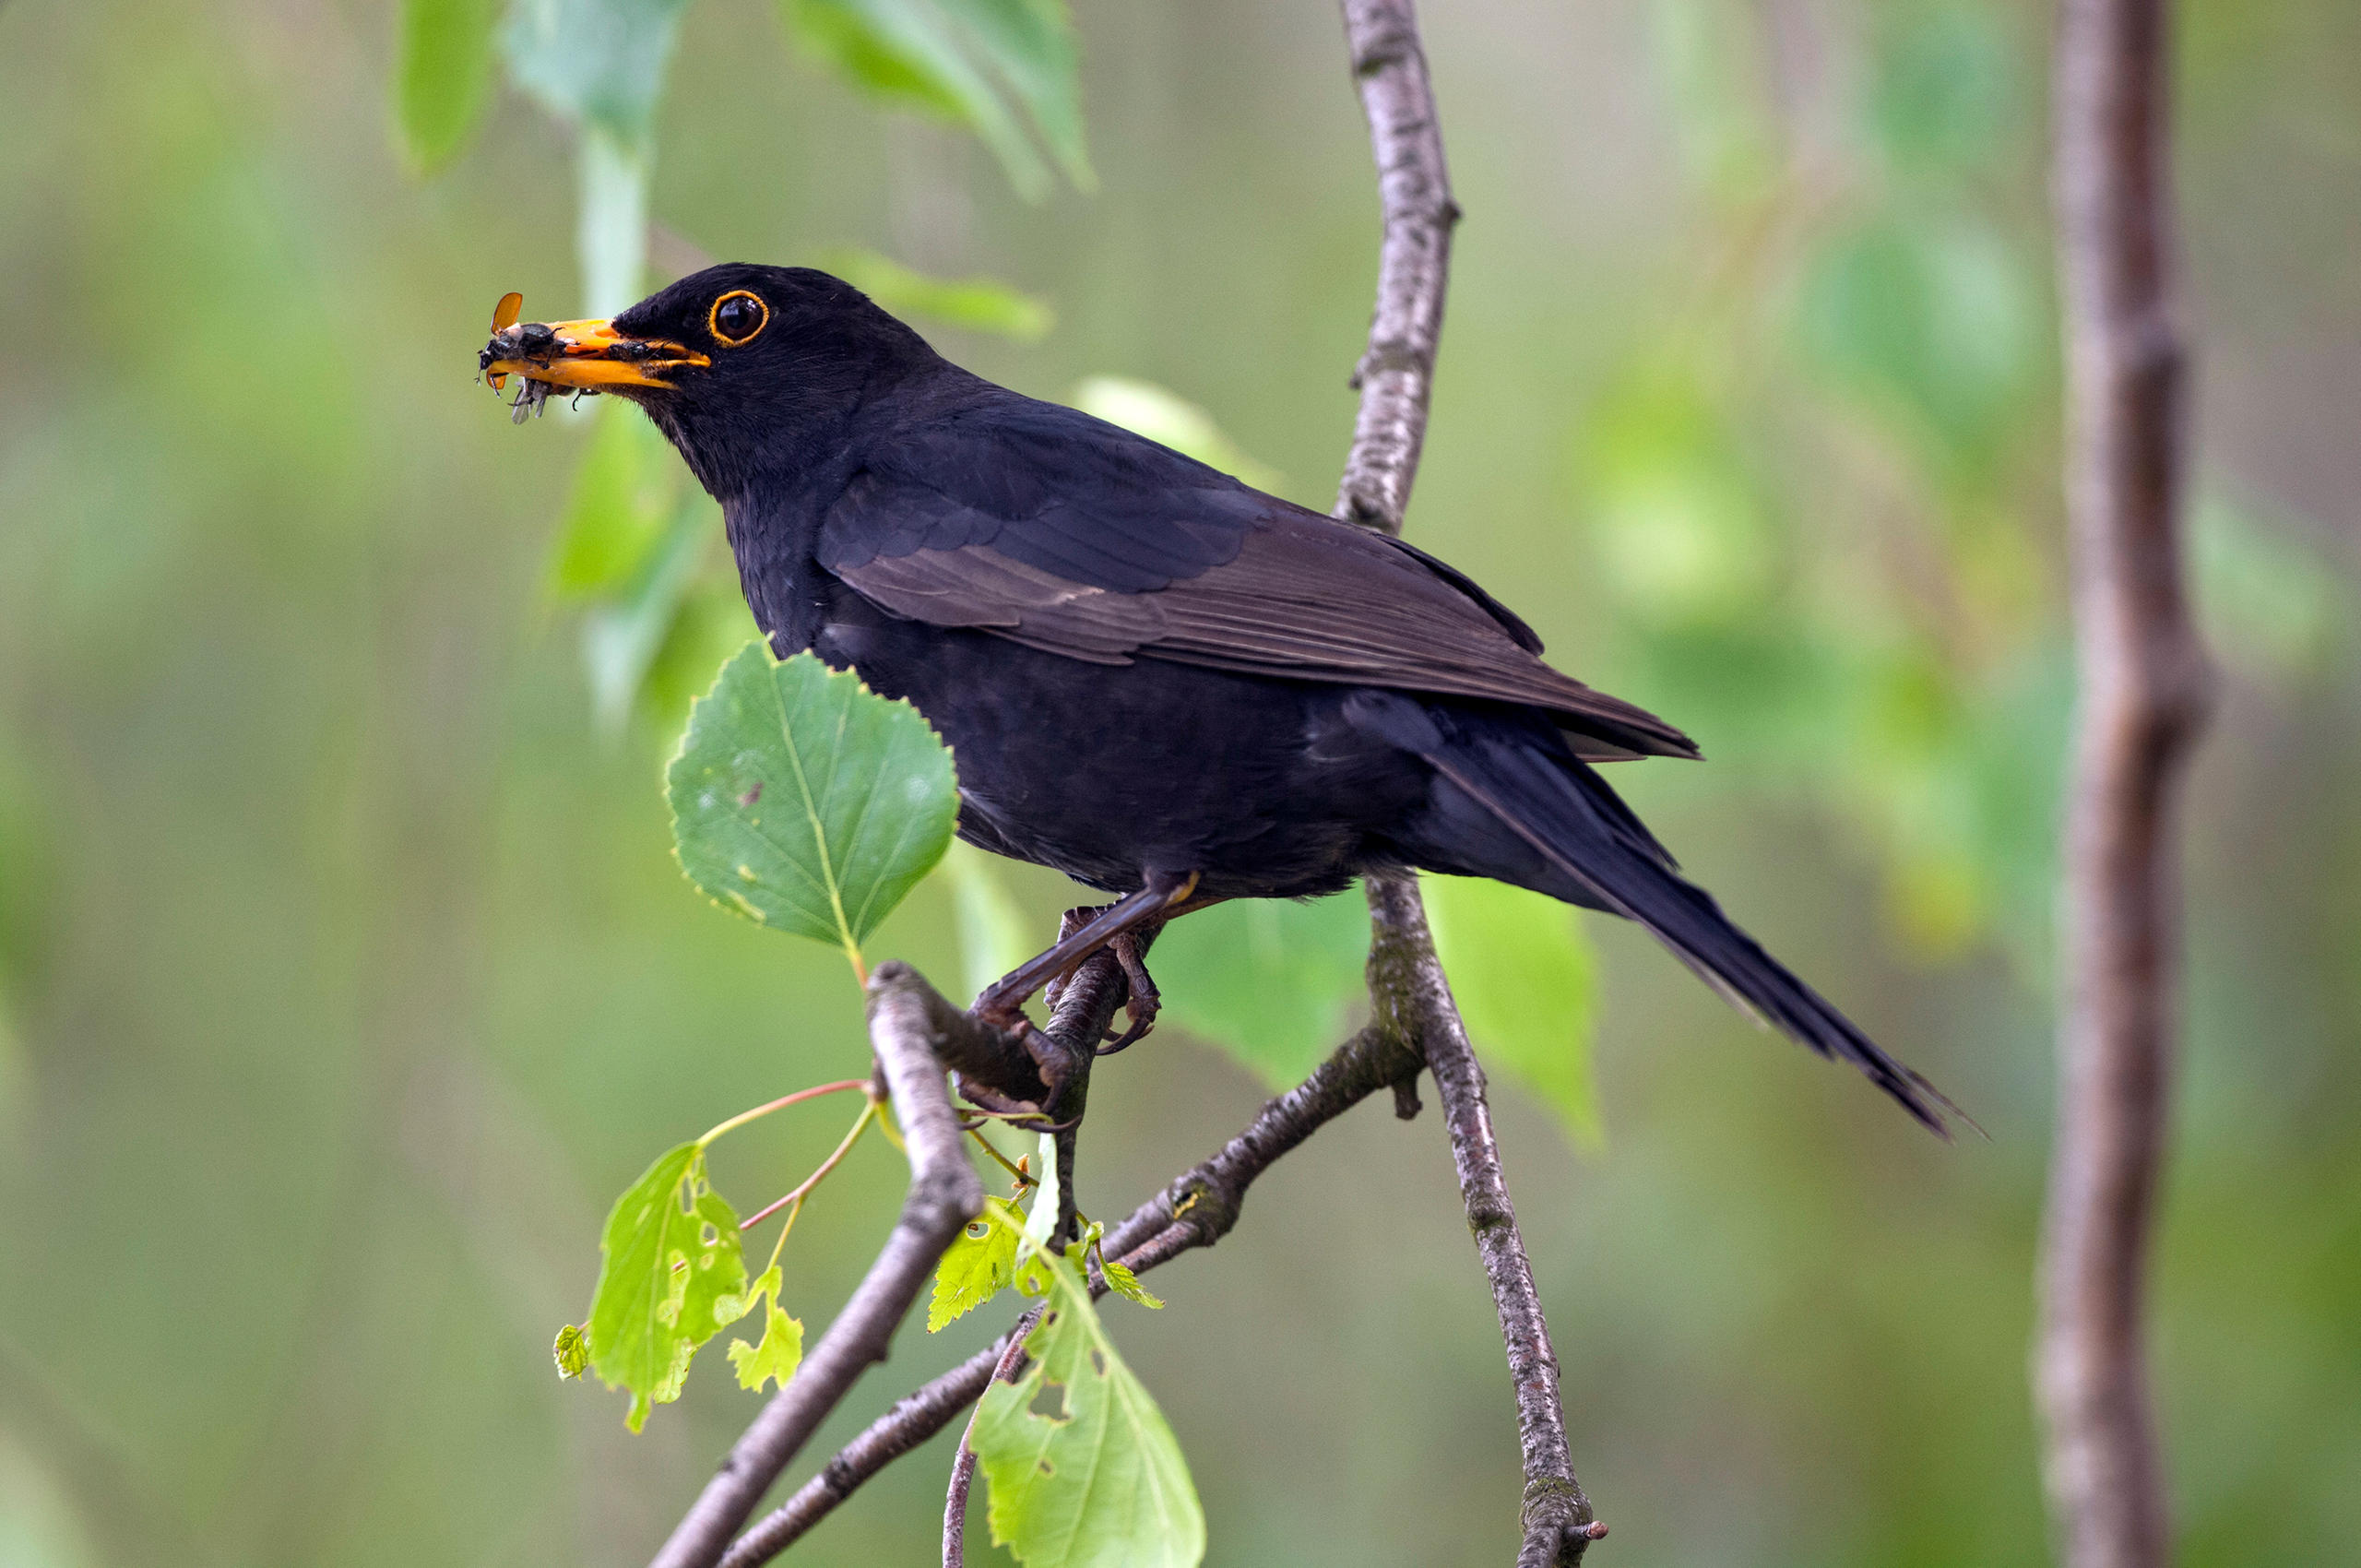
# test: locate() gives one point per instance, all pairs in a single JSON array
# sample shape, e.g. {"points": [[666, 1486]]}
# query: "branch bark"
{"points": [[2143, 682], [1195, 1209], [944, 1194], [1396, 380]]}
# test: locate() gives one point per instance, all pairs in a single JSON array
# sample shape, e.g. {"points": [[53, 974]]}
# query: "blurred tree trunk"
{"points": [[2142, 700]]}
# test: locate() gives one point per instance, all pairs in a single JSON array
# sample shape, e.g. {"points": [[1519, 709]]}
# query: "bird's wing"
{"points": [[1066, 534]]}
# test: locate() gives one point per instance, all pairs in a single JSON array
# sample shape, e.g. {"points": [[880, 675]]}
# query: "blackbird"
{"points": [[1156, 679]]}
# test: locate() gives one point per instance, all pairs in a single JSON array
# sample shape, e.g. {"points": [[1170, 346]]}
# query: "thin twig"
{"points": [[1008, 1369], [803, 1189], [2143, 684], [944, 1194], [1396, 382]]}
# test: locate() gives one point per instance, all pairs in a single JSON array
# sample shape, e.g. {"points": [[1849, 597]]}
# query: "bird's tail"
{"points": [[1510, 805]]}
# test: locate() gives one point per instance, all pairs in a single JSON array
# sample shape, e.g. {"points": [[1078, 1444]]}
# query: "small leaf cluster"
{"points": [[1100, 1480]]}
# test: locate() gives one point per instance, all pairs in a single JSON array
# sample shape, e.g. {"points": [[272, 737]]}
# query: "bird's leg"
{"points": [[1003, 1002]]}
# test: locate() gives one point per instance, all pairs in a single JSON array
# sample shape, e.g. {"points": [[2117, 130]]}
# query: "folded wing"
{"points": [[1053, 529]]}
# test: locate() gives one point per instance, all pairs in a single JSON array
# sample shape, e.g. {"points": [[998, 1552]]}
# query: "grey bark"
{"points": [[1396, 379], [2142, 698]]}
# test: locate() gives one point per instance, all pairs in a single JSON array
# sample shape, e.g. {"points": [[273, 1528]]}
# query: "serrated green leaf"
{"points": [[671, 1277], [979, 1264], [1165, 416], [571, 1351], [781, 1350], [1273, 982], [803, 801], [442, 76], [596, 61], [1124, 1283], [1522, 971], [1101, 1485], [978, 304], [977, 62]]}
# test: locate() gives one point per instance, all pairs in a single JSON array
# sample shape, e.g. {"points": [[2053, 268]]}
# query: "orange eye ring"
{"points": [[761, 318]]}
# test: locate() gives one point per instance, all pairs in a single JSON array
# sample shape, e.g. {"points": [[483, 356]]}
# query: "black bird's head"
{"points": [[747, 369]]}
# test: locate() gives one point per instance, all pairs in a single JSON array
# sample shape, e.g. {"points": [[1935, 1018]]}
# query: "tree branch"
{"points": [[1396, 380], [944, 1194], [1008, 1369], [1195, 1209], [2143, 682]]}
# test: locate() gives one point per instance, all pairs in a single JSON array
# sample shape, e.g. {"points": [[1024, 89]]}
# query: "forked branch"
{"points": [[1397, 383], [944, 1194]]}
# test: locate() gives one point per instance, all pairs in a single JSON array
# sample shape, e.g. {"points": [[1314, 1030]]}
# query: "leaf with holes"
{"points": [[1102, 1484], [671, 1277], [801, 800], [979, 1264], [781, 1350]]}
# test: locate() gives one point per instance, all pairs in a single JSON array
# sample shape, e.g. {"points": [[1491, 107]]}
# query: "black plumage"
{"points": [[1152, 676]]}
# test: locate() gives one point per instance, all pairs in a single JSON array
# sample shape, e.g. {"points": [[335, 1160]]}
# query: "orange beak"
{"points": [[590, 355]]}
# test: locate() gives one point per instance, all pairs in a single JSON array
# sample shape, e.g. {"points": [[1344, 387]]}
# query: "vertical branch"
{"points": [[2142, 698], [1396, 381], [1395, 375]]}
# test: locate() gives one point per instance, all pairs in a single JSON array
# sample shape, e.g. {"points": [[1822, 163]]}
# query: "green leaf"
{"points": [[597, 63], [442, 76], [1273, 982], [978, 304], [1521, 969], [801, 800], [572, 1350], [977, 61], [1167, 417], [672, 1277], [1103, 1483], [781, 1350], [1124, 1283], [979, 1264], [627, 489]]}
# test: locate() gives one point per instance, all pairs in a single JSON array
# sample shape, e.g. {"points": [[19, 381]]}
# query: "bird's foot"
{"points": [[1143, 1003], [1080, 934]]}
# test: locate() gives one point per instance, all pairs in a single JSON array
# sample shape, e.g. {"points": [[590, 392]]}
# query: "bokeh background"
{"points": [[345, 975]]}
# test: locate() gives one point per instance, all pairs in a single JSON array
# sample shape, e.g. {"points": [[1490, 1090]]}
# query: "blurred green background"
{"points": [[345, 974]]}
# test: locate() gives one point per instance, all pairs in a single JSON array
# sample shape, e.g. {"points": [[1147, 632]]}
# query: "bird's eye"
{"points": [[738, 316]]}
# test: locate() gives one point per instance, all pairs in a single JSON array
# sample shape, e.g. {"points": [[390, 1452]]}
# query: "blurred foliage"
{"points": [[987, 63], [351, 977], [1523, 976], [975, 304]]}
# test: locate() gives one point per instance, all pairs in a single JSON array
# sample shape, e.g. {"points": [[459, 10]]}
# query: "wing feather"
{"points": [[1093, 543]]}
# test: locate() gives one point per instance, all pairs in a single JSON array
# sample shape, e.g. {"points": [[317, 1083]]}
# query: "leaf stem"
{"points": [[860, 1125], [1023, 1176], [798, 1098]]}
